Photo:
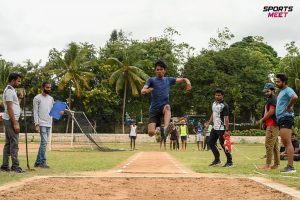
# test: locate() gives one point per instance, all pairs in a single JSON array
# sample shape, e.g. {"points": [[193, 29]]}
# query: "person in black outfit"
{"points": [[220, 119]]}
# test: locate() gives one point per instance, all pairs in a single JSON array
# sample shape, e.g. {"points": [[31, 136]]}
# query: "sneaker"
{"points": [[18, 170], [5, 169], [37, 164], [45, 166], [288, 169], [215, 163], [228, 164]]}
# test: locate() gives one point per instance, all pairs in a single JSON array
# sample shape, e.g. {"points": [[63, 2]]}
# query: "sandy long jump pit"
{"points": [[146, 176]]}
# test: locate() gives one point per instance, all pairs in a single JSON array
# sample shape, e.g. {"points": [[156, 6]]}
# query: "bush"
{"points": [[297, 122], [250, 132]]}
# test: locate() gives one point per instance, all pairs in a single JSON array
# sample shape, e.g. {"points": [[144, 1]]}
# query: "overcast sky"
{"points": [[30, 28]]}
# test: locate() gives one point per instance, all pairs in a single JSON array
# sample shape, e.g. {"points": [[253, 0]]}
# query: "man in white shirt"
{"points": [[132, 135], [11, 115], [42, 105]]}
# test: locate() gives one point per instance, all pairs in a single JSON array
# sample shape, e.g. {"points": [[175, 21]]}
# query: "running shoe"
{"points": [[288, 169]]}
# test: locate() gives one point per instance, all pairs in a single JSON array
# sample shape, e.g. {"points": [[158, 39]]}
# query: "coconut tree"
{"points": [[71, 69], [5, 69], [126, 77]]}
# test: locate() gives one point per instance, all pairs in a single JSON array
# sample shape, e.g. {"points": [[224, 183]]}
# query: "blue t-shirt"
{"points": [[160, 93], [199, 130], [283, 100]]}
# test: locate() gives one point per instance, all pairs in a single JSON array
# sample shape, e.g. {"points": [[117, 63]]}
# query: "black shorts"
{"points": [[173, 137], [163, 138], [132, 137], [286, 122], [156, 116], [183, 138]]}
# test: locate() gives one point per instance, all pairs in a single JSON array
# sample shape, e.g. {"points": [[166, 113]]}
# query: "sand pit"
{"points": [[142, 188], [153, 175]]}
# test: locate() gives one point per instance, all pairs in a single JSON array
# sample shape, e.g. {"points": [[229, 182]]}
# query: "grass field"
{"points": [[69, 161]]}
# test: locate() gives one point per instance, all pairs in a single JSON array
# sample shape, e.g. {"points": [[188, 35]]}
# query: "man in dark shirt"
{"points": [[159, 87], [268, 122]]}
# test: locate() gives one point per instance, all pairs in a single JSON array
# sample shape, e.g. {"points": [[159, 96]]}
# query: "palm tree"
{"points": [[70, 68], [126, 77], [5, 69]]}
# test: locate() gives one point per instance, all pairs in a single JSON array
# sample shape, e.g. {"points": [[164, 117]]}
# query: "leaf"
{"points": [[114, 61]]}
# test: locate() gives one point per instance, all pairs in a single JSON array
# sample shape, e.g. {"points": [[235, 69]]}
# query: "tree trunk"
{"points": [[124, 103], [234, 121], [69, 101]]}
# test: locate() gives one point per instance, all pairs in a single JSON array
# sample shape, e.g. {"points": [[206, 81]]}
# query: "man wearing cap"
{"points": [[268, 122]]}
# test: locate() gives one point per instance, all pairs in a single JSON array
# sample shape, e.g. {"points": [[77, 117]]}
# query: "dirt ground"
{"points": [[145, 175], [142, 188]]}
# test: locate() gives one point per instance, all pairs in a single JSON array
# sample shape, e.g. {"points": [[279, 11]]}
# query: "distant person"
{"points": [[173, 137], [184, 133], [178, 137], [285, 118], [163, 137], [11, 115], [268, 122], [159, 87], [296, 148], [207, 130], [132, 135], [199, 131], [220, 119]]}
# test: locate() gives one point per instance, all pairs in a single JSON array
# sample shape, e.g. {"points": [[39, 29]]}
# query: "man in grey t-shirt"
{"points": [[10, 119], [42, 104]]}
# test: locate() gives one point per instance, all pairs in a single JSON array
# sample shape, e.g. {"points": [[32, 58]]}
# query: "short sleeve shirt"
{"points": [[160, 93], [10, 94], [199, 130], [283, 100], [220, 110], [271, 103]]}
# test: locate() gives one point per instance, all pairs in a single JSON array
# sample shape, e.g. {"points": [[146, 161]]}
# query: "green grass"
{"points": [[245, 156], [72, 161], [68, 162]]}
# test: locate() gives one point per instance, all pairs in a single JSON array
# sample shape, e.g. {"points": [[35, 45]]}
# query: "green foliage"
{"points": [[100, 101], [5, 69], [250, 132], [134, 76], [222, 40], [71, 67], [290, 64], [241, 72], [241, 69]]}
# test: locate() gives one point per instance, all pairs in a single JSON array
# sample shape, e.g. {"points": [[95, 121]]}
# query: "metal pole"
{"points": [[72, 129]]}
